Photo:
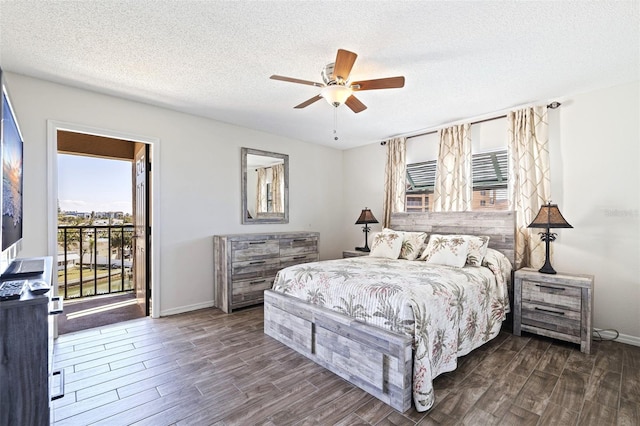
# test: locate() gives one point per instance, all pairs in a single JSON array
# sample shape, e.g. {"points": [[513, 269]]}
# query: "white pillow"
{"points": [[412, 243], [477, 249], [386, 244], [450, 250]]}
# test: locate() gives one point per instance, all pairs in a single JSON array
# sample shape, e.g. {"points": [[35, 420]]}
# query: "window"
{"points": [[421, 178], [489, 172]]}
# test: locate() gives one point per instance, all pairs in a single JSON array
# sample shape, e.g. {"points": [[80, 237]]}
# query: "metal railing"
{"points": [[94, 260]]}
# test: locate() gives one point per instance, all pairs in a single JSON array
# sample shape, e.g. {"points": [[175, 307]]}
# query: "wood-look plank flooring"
{"points": [[210, 368]]}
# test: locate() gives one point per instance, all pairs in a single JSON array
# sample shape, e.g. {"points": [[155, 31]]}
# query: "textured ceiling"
{"points": [[214, 58]]}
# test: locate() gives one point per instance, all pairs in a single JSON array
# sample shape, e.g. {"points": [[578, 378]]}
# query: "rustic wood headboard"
{"points": [[500, 226]]}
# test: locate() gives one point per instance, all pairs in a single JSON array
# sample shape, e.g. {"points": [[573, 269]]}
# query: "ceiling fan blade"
{"points": [[343, 65], [309, 102], [380, 83], [355, 104], [296, 80]]}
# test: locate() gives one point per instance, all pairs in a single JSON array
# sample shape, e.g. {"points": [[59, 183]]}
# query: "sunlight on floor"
{"points": [[99, 309]]}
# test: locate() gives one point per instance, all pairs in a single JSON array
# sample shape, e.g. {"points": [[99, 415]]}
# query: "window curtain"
{"points": [[277, 185], [452, 191], [394, 179], [529, 179], [261, 190]]}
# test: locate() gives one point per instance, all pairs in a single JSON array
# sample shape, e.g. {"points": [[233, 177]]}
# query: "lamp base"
{"points": [[364, 249], [547, 268], [547, 237]]}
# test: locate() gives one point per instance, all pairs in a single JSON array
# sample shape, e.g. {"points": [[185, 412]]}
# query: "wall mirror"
{"points": [[265, 187]]}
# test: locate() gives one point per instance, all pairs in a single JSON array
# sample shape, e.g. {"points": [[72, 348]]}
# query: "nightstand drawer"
{"points": [[552, 294], [563, 321]]}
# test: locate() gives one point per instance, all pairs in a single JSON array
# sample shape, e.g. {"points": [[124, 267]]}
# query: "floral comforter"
{"points": [[448, 311]]}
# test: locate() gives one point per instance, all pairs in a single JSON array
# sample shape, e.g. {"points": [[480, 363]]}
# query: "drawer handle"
{"points": [[299, 240], [257, 282], [549, 311], [550, 287], [299, 257], [257, 242], [60, 393], [259, 262]]}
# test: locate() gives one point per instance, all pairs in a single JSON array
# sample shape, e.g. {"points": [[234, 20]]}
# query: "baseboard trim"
{"points": [[622, 338], [183, 309]]}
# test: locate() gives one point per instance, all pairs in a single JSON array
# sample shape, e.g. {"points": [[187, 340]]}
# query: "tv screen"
{"points": [[11, 176]]}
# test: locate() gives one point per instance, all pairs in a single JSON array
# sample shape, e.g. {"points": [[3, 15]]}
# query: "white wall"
{"points": [[595, 155], [597, 187], [199, 180]]}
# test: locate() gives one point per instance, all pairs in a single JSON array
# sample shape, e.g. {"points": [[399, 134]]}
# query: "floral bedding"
{"points": [[448, 311]]}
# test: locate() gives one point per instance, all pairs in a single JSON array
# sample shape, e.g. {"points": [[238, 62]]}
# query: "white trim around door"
{"points": [[53, 127]]}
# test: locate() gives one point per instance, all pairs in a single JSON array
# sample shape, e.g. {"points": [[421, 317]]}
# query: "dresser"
{"points": [[554, 305], [26, 345], [246, 264]]}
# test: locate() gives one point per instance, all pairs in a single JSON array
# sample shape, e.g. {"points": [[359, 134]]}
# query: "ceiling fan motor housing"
{"points": [[327, 75]]}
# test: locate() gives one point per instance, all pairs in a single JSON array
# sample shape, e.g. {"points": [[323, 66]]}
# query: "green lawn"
{"points": [[88, 282]]}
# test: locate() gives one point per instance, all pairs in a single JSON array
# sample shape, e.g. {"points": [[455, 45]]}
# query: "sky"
{"points": [[87, 184]]}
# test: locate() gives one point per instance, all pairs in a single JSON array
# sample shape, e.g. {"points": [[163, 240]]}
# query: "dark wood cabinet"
{"points": [[25, 351]]}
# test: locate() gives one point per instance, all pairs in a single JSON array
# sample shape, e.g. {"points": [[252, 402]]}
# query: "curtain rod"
{"points": [[552, 105]]}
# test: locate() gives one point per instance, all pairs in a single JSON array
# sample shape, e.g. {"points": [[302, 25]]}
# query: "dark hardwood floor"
{"points": [[210, 368]]}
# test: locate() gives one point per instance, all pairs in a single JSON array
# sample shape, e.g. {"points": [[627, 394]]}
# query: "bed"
{"points": [[391, 326]]}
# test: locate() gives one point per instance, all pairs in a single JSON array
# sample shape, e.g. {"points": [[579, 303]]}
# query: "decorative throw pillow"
{"points": [[477, 249], [450, 250], [412, 243], [386, 244]]}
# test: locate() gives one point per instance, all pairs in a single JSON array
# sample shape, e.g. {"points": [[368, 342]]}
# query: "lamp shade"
{"points": [[366, 217], [549, 216], [336, 94]]}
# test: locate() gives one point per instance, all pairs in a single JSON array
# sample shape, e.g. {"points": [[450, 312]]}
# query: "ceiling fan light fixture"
{"points": [[336, 94]]}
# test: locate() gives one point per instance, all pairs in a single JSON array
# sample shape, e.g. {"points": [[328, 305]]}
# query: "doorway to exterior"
{"points": [[103, 248]]}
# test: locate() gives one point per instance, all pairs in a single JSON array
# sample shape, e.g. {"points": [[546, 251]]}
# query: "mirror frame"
{"points": [[256, 220]]}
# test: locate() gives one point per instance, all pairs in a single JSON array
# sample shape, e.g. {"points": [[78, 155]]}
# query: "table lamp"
{"points": [[548, 217], [366, 217]]}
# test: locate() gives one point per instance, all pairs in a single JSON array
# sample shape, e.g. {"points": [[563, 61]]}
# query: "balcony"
{"points": [[94, 260]]}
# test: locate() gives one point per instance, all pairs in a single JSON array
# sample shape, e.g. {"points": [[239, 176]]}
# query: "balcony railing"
{"points": [[94, 260]]}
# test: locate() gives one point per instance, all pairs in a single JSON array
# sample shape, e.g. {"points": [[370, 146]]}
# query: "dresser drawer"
{"points": [[254, 269], [552, 294], [250, 290], [298, 246], [254, 250], [296, 260], [563, 321]]}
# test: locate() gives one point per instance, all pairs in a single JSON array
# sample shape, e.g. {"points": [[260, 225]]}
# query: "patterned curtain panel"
{"points": [[277, 183], [452, 191], [261, 190], [529, 179], [394, 179]]}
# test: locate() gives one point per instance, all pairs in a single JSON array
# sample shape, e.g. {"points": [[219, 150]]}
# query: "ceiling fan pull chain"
{"points": [[335, 123]]}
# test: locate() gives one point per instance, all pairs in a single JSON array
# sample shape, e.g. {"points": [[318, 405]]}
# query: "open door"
{"points": [[141, 226]]}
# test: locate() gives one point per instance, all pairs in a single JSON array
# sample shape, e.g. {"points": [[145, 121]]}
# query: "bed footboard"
{"points": [[375, 360]]}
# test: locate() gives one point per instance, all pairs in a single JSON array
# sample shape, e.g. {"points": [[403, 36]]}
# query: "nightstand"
{"points": [[354, 253], [558, 306]]}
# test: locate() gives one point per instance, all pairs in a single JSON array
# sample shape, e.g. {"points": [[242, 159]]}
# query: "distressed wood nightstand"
{"points": [[354, 253], [558, 306]]}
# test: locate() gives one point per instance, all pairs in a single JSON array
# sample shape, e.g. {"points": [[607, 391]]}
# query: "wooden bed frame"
{"points": [[378, 361]]}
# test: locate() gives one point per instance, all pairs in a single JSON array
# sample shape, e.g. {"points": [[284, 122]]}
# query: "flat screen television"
{"points": [[11, 142]]}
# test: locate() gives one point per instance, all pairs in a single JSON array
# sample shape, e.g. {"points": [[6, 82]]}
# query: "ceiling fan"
{"points": [[337, 89]]}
